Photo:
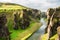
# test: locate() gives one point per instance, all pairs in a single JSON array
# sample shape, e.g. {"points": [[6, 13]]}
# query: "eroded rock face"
{"points": [[25, 22], [27, 16], [53, 16], [49, 14], [36, 13], [16, 21], [4, 32]]}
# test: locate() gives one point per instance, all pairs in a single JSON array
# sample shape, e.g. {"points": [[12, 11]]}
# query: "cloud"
{"points": [[43, 5]]}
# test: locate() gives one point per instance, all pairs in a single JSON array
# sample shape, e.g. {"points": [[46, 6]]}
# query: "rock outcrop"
{"points": [[53, 17], [23, 19], [36, 13], [4, 32], [17, 17]]}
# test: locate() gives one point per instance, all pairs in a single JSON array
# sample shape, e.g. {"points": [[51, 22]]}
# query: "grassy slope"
{"points": [[45, 36], [18, 34], [9, 7], [23, 34], [54, 37]]}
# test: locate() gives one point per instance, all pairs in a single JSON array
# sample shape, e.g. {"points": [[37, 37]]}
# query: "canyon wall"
{"points": [[53, 17]]}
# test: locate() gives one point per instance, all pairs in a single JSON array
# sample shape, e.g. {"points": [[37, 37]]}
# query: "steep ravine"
{"points": [[39, 32]]}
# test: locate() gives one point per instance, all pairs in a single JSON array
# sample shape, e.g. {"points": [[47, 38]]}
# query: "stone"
{"points": [[53, 17], [4, 32], [16, 21]]}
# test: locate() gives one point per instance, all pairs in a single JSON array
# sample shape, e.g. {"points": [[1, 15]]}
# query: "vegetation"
{"points": [[23, 34], [20, 34], [54, 37], [44, 37], [53, 25]]}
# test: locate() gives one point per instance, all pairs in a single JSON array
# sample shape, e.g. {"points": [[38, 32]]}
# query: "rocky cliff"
{"points": [[16, 17], [53, 23]]}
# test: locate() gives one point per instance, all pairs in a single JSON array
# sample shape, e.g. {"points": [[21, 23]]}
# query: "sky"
{"points": [[42, 5]]}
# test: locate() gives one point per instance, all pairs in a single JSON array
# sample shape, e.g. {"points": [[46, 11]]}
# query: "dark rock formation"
{"points": [[43, 15], [16, 21], [36, 13], [25, 21], [4, 32]]}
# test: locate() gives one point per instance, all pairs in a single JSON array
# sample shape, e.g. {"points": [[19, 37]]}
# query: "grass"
{"points": [[11, 7], [18, 34], [21, 34], [44, 37], [54, 37]]}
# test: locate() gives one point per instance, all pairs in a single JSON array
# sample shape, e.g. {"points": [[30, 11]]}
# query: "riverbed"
{"points": [[39, 32]]}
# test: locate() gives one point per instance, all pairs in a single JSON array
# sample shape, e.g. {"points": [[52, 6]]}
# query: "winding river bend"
{"points": [[39, 32]]}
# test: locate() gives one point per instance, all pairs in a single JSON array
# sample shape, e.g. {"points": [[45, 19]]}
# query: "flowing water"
{"points": [[39, 32]]}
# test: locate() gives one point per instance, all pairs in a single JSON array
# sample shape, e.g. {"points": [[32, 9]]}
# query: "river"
{"points": [[39, 32]]}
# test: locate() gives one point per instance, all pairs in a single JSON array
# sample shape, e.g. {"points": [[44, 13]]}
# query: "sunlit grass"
{"points": [[11, 7], [44, 37], [20, 34], [54, 37]]}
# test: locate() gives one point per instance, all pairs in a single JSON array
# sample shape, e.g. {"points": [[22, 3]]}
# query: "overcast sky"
{"points": [[42, 5]]}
